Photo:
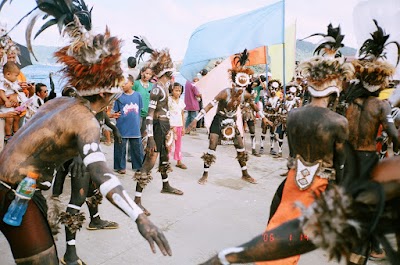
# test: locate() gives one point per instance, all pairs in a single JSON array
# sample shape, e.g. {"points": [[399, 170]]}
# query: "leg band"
{"points": [[95, 199], [73, 222], [208, 159], [165, 168], [242, 157], [142, 178]]}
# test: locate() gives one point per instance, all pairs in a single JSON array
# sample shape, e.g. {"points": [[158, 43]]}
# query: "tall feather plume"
{"points": [[331, 42], [333, 222], [92, 63], [374, 48], [241, 59], [3, 2], [160, 60], [62, 13], [142, 46]]}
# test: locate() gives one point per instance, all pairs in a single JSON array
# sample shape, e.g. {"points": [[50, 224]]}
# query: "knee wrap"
{"points": [[242, 157], [72, 221], [142, 178], [165, 168], [208, 159], [53, 215], [95, 199]]}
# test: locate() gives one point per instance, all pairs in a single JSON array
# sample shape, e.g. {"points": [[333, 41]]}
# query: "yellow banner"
{"points": [[275, 52]]}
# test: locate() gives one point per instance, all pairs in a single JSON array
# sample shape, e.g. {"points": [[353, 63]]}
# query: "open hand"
{"points": [[191, 125], [77, 167], [151, 145], [152, 234], [117, 137], [266, 121]]}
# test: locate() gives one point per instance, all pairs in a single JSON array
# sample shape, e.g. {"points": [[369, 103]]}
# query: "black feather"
{"points": [[334, 40], [3, 3], [374, 47], [241, 59], [142, 46], [63, 12]]}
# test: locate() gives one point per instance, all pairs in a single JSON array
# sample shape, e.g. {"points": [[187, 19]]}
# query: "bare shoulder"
{"points": [[223, 94], [65, 112]]}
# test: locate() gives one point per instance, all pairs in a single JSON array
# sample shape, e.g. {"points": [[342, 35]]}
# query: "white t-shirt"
{"points": [[175, 111]]}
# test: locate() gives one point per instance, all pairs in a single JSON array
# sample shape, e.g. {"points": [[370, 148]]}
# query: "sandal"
{"points": [[121, 171], [77, 262], [182, 166], [103, 225], [172, 191]]}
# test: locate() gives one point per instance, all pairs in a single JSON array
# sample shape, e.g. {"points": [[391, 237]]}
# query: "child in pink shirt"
{"points": [[176, 108]]}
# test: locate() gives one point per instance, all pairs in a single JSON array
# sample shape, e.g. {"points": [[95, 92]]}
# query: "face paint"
{"points": [[242, 79]]}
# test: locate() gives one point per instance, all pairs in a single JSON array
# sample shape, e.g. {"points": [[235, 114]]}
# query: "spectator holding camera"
{"points": [[38, 99]]}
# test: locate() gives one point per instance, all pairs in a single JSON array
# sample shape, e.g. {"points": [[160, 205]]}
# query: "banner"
{"points": [[275, 53], [222, 38]]}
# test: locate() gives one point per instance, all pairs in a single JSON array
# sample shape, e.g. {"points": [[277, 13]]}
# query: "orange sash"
{"points": [[287, 211]]}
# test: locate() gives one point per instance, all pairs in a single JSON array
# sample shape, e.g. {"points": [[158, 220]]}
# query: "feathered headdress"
{"points": [[91, 62], [371, 69], [274, 84], [293, 87], [241, 75], [160, 61], [325, 74], [330, 44]]}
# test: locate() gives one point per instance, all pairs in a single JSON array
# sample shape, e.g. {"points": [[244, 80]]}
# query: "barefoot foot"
{"points": [[203, 180], [249, 179]]}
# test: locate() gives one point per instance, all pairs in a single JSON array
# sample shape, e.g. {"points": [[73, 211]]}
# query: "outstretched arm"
{"points": [[221, 95], [117, 135], [111, 188], [284, 241], [260, 112]]}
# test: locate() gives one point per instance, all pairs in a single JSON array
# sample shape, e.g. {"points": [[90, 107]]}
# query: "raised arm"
{"points": [[111, 188]]}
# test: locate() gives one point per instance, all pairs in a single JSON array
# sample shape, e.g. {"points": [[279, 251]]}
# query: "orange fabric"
{"points": [[21, 78], [256, 56], [287, 211]]}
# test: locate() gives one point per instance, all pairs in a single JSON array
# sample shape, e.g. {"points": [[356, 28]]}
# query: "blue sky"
{"points": [[169, 23]]}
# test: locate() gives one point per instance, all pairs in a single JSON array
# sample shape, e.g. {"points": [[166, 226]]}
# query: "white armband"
{"points": [[149, 130], [222, 254], [201, 114], [390, 118], [153, 104]]}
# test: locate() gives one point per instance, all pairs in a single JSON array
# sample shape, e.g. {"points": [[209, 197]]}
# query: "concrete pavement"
{"points": [[223, 213]]}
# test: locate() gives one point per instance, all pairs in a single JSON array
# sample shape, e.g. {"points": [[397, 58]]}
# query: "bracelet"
{"points": [[201, 114], [222, 254]]}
